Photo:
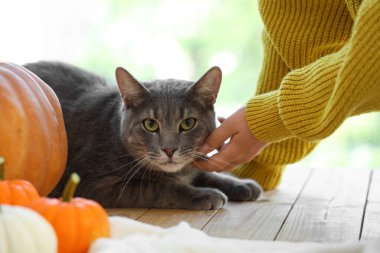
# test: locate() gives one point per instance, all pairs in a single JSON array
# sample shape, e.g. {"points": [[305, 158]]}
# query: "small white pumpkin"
{"points": [[24, 230]]}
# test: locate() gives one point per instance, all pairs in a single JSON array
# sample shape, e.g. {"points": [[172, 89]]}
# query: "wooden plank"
{"points": [[371, 226], [171, 217], [132, 213], [330, 208], [259, 220], [374, 191], [287, 192]]}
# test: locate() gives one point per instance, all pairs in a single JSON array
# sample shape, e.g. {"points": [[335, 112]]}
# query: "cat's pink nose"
{"points": [[169, 151]]}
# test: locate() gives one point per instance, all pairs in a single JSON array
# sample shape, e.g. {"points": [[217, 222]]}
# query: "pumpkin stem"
{"points": [[71, 185], [2, 161]]}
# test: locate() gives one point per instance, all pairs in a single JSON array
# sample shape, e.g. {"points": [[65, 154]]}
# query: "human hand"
{"points": [[241, 148]]}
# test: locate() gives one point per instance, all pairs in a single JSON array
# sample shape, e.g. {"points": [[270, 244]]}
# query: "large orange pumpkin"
{"points": [[32, 133]]}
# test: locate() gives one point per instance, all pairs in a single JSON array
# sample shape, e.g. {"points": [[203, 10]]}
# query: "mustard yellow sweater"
{"points": [[321, 66]]}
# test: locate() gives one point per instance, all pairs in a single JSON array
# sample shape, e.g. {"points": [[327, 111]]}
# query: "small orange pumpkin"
{"points": [[76, 221], [33, 136], [15, 192]]}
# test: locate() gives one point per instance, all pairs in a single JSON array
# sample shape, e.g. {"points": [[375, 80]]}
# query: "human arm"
{"points": [[312, 101]]}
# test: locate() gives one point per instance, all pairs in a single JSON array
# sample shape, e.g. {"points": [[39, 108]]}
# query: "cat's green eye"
{"points": [[187, 124], [151, 125]]}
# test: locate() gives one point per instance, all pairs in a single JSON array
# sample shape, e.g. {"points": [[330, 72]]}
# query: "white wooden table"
{"points": [[321, 205]]}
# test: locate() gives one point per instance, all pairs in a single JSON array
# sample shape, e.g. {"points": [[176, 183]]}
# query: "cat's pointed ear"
{"points": [[131, 90], [207, 87]]}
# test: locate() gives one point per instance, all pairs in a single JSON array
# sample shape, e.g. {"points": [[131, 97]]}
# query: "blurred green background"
{"points": [[169, 39], [159, 39]]}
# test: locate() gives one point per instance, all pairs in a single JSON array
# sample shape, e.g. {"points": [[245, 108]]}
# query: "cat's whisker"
{"points": [[203, 157], [122, 156], [200, 157], [142, 179], [125, 185], [119, 168], [141, 165], [131, 169], [139, 161], [210, 160], [192, 152], [125, 156], [192, 155], [150, 166]]}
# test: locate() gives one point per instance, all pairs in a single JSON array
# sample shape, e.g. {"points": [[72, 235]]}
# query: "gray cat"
{"points": [[133, 145]]}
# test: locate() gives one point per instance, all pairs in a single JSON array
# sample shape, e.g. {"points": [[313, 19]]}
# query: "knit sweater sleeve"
{"points": [[313, 101]]}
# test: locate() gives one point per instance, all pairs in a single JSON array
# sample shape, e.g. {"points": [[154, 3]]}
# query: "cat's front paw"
{"points": [[209, 199], [246, 190]]}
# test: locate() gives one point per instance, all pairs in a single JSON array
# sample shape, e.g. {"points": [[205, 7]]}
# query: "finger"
{"points": [[217, 137], [221, 119], [221, 147], [212, 166], [224, 160], [231, 166], [208, 165], [205, 149]]}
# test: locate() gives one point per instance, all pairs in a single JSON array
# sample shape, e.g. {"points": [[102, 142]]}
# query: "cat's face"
{"points": [[165, 121]]}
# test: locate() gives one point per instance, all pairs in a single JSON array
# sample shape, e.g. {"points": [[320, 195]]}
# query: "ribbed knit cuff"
{"points": [[268, 176], [263, 118]]}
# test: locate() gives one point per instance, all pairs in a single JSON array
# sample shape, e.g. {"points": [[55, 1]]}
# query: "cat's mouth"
{"points": [[169, 161], [170, 165]]}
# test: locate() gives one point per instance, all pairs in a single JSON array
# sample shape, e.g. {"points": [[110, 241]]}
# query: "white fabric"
{"points": [[130, 236]]}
